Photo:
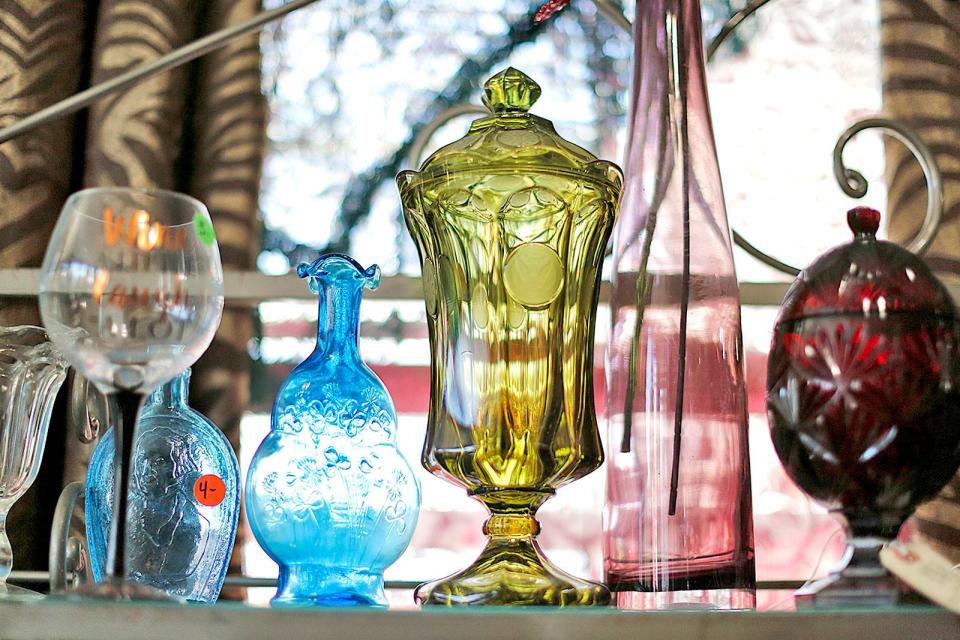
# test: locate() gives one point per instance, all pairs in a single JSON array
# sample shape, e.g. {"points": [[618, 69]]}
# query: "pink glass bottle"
{"points": [[678, 529]]}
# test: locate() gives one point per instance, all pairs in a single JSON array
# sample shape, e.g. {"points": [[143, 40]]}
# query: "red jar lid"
{"points": [[867, 277]]}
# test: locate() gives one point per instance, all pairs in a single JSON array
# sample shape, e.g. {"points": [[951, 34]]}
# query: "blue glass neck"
{"points": [[174, 393], [339, 318]]}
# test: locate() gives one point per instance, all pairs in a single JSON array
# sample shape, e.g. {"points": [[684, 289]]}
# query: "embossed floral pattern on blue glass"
{"points": [[184, 499], [329, 496]]}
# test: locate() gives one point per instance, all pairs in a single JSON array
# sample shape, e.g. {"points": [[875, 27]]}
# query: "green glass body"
{"points": [[511, 223]]}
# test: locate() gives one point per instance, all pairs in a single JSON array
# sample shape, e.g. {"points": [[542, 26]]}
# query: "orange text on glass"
{"points": [[139, 232]]}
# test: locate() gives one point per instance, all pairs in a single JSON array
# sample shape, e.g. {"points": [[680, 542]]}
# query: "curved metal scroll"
{"points": [[855, 185], [424, 135], [731, 25], [851, 181]]}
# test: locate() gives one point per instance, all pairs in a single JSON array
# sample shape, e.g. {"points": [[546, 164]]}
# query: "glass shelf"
{"points": [[68, 620]]}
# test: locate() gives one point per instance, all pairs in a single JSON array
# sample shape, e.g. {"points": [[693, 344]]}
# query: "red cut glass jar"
{"points": [[863, 400]]}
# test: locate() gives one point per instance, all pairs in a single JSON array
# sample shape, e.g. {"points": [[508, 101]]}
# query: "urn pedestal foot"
{"points": [[860, 581], [512, 571]]}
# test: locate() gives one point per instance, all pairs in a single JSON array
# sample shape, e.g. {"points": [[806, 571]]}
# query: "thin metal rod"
{"points": [[171, 60], [682, 67], [643, 280]]}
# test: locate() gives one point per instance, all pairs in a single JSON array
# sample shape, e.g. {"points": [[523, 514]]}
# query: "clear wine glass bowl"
{"points": [[131, 288]]}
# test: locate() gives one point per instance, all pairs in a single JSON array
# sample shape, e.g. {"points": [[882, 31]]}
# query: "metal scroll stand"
{"points": [[66, 552], [851, 181]]}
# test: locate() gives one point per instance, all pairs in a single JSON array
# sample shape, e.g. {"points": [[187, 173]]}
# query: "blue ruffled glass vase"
{"points": [[184, 499], [329, 496]]}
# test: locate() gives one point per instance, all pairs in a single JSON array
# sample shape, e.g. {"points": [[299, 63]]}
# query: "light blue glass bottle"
{"points": [[329, 496], [184, 499]]}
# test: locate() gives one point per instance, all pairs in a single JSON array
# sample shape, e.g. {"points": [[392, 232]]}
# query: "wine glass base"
{"points": [[13, 592], [512, 572], [120, 590]]}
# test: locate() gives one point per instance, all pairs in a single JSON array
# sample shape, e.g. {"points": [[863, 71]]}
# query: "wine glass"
{"points": [[131, 292], [31, 372]]}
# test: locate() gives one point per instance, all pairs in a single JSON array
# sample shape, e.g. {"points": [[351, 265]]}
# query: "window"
{"points": [[349, 83]]}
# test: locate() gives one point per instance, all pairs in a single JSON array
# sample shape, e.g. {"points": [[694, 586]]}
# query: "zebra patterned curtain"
{"points": [[921, 75], [199, 129], [40, 63]]}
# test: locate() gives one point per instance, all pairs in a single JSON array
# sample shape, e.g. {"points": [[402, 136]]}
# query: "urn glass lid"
{"points": [[511, 140], [866, 277]]}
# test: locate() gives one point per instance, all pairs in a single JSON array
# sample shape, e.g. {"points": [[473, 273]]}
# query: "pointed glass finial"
{"points": [[864, 222], [511, 90]]}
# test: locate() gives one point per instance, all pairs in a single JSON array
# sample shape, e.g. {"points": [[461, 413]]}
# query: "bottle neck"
{"points": [[338, 322], [175, 393], [671, 142], [669, 48]]}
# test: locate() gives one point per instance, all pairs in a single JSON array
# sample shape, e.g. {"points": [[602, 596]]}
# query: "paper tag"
{"points": [[209, 490], [925, 570]]}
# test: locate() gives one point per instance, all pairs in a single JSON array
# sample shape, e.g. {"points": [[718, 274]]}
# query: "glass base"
{"points": [[860, 581], [841, 590], [312, 586], [117, 589], [13, 592], [698, 600], [512, 572]]}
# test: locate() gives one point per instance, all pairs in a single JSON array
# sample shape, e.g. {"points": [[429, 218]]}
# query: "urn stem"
{"points": [[511, 526]]}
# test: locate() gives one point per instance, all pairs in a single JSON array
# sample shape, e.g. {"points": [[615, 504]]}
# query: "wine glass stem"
{"points": [[6, 552], [129, 403]]}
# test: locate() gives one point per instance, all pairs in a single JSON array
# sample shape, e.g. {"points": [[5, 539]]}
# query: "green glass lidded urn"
{"points": [[511, 222]]}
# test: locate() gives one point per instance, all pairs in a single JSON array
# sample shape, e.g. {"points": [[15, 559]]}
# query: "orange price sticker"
{"points": [[209, 490]]}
